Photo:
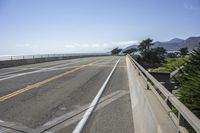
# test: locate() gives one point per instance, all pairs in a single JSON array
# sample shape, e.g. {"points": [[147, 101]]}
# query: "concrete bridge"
{"points": [[102, 94]]}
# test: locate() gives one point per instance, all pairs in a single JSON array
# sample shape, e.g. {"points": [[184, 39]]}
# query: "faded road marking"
{"points": [[36, 85], [37, 71], [75, 115]]}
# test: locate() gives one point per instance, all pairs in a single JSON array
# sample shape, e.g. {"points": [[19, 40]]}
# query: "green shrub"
{"points": [[171, 64]]}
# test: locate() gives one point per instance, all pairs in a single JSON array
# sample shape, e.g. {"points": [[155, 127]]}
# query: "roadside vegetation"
{"points": [[116, 51], [188, 83], [155, 58], [131, 50], [184, 51], [150, 57], [171, 64]]}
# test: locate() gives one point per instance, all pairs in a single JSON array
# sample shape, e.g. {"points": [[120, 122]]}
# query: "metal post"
{"points": [[148, 84], [138, 72], [180, 121], [168, 103]]}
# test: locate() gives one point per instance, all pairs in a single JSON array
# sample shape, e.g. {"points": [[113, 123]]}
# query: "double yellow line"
{"points": [[38, 84]]}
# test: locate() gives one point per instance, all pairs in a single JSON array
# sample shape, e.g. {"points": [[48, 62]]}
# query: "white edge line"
{"points": [[40, 70], [79, 127]]}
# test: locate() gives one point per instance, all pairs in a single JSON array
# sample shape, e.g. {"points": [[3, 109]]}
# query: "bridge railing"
{"points": [[178, 112], [20, 57]]}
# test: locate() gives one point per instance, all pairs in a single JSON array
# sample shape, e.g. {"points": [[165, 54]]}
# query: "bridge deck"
{"points": [[40, 97]]}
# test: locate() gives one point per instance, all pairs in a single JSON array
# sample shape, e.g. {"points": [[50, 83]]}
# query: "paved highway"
{"points": [[54, 96]]}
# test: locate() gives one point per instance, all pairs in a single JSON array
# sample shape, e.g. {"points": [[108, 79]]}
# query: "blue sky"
{"points": [[81, 26]]}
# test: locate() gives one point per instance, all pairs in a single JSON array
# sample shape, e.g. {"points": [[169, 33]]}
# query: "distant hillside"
{"points": [[129, 47], [176, 43]]}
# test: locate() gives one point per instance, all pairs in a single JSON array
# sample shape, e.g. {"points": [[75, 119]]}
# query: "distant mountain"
{"points": [[176, 40], [176, 43], [129, 47], [173, 44], [192, 42]]}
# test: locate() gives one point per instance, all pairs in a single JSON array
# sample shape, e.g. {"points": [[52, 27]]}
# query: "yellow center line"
{"points": [[38, 84]]}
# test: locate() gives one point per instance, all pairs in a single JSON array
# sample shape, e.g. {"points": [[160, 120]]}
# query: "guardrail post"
{"points": [[148, 87], [181, 121], [148, 84], [11, 57], [138, 72], [168, 103]]}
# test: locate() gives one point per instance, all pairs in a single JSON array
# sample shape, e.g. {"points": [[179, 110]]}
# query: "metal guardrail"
{"points": [[20, 57], [175, 72], [169, 102]]}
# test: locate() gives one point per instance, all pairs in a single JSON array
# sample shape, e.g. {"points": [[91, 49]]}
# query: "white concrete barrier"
{"points": [[148, 114], [162, 104]]}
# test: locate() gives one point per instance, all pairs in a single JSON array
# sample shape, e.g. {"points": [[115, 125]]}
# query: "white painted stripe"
{"points": [[81, 124], [37, 71], [3, 130], [6, 73]]}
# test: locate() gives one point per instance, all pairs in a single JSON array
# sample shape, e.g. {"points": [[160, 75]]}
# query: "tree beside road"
{"points": [[116, 51], [188, 83], [150, 57], [131, 50], [184, 51]]}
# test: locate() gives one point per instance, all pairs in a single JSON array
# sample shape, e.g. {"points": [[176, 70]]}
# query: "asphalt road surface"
{"points": [[53, 96]]}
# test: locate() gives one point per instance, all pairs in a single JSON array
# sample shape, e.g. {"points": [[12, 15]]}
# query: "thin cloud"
{"points": [[23, 45], [26, 45], [126, 42], [197, 35], [98, 47]]}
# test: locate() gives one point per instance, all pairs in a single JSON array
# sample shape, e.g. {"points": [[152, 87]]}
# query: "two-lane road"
{"points": [[53, 96]]}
